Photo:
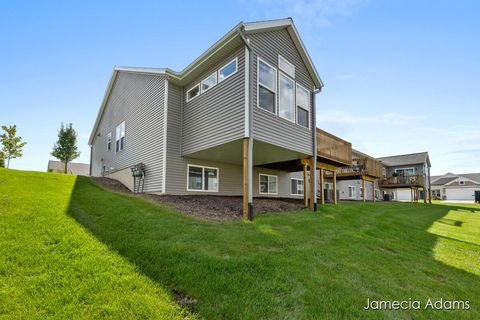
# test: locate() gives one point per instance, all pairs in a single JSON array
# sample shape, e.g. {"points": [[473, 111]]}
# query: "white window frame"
{"points": [[294, 120], [309, 107], [267, 87], [109, 141], [119, 137], [199, 92], [223, 67], [203, 177], [354, 193], [268, 184], [216, 82], [280, 58], [409, 168], [291, 191]]}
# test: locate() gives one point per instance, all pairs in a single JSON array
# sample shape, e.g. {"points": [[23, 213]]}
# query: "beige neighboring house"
{"points": [[453, 187], [82, 169]]}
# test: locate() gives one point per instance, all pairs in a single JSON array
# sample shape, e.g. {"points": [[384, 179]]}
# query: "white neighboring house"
{"points": [[455, 186], [82, 169]]}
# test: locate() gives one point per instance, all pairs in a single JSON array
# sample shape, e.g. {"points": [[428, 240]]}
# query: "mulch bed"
{"points": [[220, 208]]}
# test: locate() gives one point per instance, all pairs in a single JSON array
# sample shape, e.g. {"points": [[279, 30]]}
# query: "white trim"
{"points": [[354, 193], [281, 73], [195, 86], [223, 67], [268, 184], [165, 117], [203, 182], [280, 58], [297, 194], [309, 106], [120, 135], [109, 141], [266, 87], [216, 82], [247, 92]]}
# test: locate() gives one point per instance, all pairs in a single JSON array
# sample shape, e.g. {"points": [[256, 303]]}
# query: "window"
{"points": [[461, 182], [296, 186], [202, 178], [209, 82], [405, 172], [120, 137], [286, 66], [303, 106], [193, 92], [227, 70], [109, 141], [268, 184], [286, 106], [352, 192], [267, 87]]}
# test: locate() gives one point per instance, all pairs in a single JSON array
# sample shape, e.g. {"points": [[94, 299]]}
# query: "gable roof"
{"points": [[451, 177], [406, 159], [232, 38], [442, 181]]}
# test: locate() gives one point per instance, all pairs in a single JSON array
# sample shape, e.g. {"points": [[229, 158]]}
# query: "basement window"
{"points": [[193, 92], [296, 187], [267, 86], [120, 137], [228, 70], [202, 178], [352, 192], [209, 82], [268, 184], [109, 141], [303, 106]]}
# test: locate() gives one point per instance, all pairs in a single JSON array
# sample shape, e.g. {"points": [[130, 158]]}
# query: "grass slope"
{"points": [[125, 254]]}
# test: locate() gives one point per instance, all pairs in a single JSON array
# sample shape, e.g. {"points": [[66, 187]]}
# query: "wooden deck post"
{"points": [[312, 184], [334, 187], [322, 193], [411, 195], [373, 190], [364, 192], [425, 195], [245, 178], [305, 184]]}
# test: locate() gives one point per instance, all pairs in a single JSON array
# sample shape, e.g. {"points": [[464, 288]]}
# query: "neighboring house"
{"points": [[82, 169], [406, 177], [236, 121], [361, 180], [452, 186]]}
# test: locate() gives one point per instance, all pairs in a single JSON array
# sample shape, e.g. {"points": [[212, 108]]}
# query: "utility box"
{"points": [[477, 196], [386, 197]]}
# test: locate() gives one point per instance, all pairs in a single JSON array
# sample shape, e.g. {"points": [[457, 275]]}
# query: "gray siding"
{"points": [[217, 116], [137, 99], [268, 127], [342, 187]]}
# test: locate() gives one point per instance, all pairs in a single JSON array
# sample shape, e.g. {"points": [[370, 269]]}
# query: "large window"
{"points": [[109, 141], [120, 137], [209, 82], [267, 86], [286, 107], [268, 184], [352, 192], [296, 187], [286, 66], [228, 70], [303, 106], [405, 172], [193, 92], [202, 178]]}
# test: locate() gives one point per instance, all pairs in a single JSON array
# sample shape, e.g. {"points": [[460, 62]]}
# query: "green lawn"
{"points": [[71, 249]]}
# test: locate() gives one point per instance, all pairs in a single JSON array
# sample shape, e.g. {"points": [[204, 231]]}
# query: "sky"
{"points": [[400, 76]]}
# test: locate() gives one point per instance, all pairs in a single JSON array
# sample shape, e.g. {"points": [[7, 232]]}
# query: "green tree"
{"points": [[65, 149], [2, 159], [11, 144]]}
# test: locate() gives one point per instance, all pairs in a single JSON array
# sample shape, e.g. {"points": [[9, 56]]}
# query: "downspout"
{"points": [[249, 121], [90, 167]]}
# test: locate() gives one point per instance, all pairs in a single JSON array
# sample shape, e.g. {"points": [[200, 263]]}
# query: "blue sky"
{"points": [[400, 76]]}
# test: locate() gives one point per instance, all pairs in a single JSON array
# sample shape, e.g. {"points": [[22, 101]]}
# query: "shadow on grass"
{"points": [[290, 265]]}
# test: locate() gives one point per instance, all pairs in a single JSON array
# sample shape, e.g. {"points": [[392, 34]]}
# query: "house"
{"points": [[82, 169], [454, 187], [361, 180], [236, 121], [406, 177]]}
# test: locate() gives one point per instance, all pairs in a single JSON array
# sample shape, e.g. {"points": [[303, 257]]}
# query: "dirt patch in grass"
{"points": [[212, 207]]}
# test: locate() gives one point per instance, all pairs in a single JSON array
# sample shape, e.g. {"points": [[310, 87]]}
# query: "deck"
{"points": [[333, 150], [415, 181], [361, 167]]}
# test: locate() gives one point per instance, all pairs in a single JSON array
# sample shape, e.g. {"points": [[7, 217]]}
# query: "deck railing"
{"points": [[415, 180], [333, 148], [365, 166]]}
